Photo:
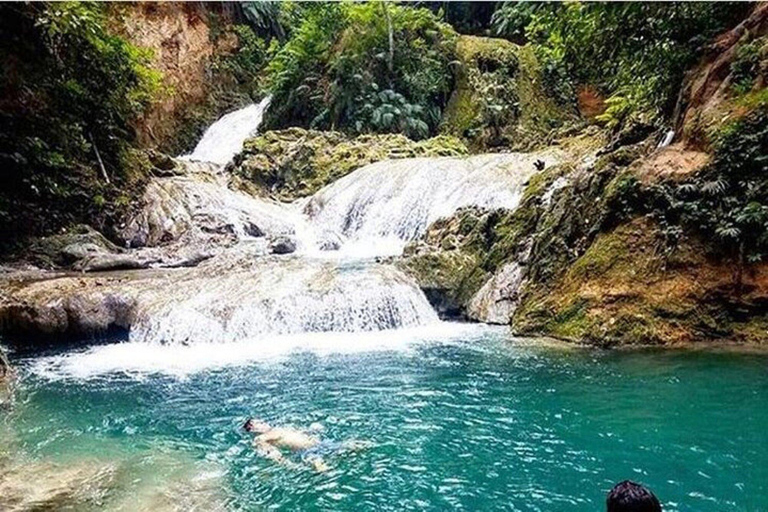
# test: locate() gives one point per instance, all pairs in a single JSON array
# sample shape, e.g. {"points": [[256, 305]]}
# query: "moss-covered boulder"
{"points": [[499, 99], [295, 162], [66, 248], [625, 291], [447, 261]]}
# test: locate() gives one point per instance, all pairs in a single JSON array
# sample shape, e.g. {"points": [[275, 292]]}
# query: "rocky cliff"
{"points": [[610, 250], [188, 41]]}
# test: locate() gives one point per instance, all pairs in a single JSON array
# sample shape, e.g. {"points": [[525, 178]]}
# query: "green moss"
{"points": [[455, 274], [498, 99], [296, 162]]}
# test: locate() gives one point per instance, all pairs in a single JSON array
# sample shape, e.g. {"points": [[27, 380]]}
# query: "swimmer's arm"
{"points": [[267, 450]]}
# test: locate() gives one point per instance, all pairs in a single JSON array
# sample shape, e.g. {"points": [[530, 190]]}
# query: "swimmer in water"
{"points": [[270, 441]]}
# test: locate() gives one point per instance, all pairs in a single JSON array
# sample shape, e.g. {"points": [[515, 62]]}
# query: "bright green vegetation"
{"points": [[635, 52], [746, 67], [481, 422], [72, 90], [296, 162], [363, 68]]}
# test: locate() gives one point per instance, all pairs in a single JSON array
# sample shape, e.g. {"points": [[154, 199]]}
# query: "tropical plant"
{"points": [[70, 92], [636, 51], [265, 18], [745, 68], [336, 66]]}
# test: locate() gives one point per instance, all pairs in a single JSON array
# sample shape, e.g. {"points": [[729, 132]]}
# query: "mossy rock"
{"points": [[623, 291], [296, 162], [499, 100], [63, 249]]}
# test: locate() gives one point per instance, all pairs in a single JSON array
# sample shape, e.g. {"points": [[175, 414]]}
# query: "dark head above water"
{"points": [[256, 426], [628, 496]]}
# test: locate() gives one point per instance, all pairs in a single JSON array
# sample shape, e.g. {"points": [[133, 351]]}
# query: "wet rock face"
{"points": [[198, 207], [72, 309], [446, 262], [497, 300], [46, 486], [282, 245]]}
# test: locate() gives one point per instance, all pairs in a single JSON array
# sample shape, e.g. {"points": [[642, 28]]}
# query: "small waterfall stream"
{"points": [[224, 138]]}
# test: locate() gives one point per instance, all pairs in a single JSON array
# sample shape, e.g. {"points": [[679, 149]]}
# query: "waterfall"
{"points": [[667, 140], [243, 297], [224, 138], [279, 297], [377, 209]]}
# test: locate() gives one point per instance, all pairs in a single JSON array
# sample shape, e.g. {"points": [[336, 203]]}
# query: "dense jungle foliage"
{"points": [[725, 204], [69, 91], [363, 68], [636, 53]]}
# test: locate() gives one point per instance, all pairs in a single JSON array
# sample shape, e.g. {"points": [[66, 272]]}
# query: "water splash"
{"points": [[377, 209], [140, 359], [224, 138], [280, 297]]}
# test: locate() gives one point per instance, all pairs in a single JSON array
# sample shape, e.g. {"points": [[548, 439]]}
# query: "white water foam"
{"points": [[236, 300], [138, 359], [378, 208], [224, 138]]}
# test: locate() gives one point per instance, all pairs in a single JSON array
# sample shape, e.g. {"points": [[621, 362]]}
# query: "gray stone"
{"points": [[282, 245], [79, 250], [103, 262]]}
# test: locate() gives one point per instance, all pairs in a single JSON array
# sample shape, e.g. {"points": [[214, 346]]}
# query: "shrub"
{"points": [[746, 67], [634, 51], [70, 90], [363, 68]]}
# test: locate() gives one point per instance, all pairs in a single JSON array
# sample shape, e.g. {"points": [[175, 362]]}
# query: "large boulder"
{"points": [[282, 245], [67, 248], [201, 208]]}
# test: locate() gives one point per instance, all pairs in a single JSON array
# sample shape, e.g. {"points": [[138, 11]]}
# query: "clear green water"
{"points": [[485, 422]]}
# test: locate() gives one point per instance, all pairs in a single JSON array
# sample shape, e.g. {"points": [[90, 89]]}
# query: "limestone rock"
{"points": [[293, 163], [282, 245], [67, 248], [199, 206], [497, 300], [104, 262]]}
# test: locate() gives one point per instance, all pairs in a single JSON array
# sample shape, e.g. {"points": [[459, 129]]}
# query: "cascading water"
{"points": [[238, 301], [243, 298], [224, 138], [377, 209]]}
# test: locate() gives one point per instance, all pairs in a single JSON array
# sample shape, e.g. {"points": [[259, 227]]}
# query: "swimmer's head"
{"points": [[256, 426], [629, 496]]}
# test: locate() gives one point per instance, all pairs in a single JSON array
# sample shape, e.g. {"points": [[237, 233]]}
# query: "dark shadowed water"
{"points": [[477, 422]]}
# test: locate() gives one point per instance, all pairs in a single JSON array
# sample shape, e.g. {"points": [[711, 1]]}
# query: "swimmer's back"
{"points": [[289, 438]]}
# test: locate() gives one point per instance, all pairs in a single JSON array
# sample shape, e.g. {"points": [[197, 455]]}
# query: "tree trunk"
{"points": [[98, 157], [391, 56], [739, 275]]}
